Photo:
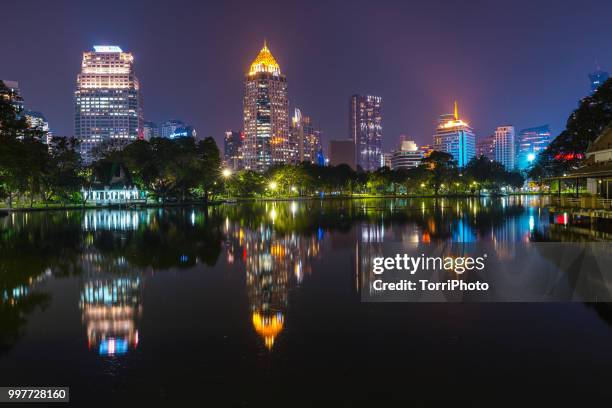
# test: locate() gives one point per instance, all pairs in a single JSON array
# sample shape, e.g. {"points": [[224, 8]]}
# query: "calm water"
{"points": [[253, 303]]}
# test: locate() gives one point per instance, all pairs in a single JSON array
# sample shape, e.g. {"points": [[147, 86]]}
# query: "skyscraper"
{"points": [[37, 120], [305, 137], [150, 130], [365, 127], [505, 146], [531, 142], [486, 147], [169, 127], [13, 95], [454, 136], [232, 150], [108, 102], [597, 78], [342, 152], [266, 115]]}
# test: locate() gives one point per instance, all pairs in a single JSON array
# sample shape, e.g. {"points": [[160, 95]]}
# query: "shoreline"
{"points": [[6, 211]]}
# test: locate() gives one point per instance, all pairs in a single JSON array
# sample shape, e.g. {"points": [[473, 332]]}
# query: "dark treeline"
{"points": [[437, 175]]}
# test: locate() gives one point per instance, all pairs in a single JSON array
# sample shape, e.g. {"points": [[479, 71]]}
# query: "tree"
{"points": [[442, 168]]}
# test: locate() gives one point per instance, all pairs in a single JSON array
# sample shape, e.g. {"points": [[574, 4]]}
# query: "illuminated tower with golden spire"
{"points": [[456, 137], [266, 115]]}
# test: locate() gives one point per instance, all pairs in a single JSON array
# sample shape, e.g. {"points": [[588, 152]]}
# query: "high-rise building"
{"points": [[168, 128], [13, 95], [408, 156], [150, 130], [486, 147], [365, 126], [183, 131], [108, 101], [342, 152], [232, 150], [37, 120], [505, 146], [530, 143], [305, 137], [266, 115], [597, 78], [454, 136]]}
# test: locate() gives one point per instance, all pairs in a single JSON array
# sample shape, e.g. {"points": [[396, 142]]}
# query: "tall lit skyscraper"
{"points": [[454, 136], [232, 150], [108, 102], [365, 127], [505, 146], [597, 78], [531, 142], [37, 120], [305, 137], [266, 115]]}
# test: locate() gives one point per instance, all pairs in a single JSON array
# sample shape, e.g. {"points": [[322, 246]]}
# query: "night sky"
{"points": [[519, 62]]}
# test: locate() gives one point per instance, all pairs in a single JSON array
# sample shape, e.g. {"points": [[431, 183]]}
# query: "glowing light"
{"points": [[530, 157], [264, 62], [107, 48], [273, 185], [226, 173], [268, 327]]}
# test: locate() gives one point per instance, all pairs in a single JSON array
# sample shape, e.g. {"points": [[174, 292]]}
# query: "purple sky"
{"points": [[518, 62]]}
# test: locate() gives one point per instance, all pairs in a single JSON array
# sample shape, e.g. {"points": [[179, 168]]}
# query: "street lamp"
{"points": [[273, 185], [226, 173]]}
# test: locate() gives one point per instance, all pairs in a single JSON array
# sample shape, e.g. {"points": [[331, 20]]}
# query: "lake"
{"points": [[255, 303]]}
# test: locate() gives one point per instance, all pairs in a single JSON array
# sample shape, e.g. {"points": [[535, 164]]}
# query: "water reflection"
{"points": [[275, 244], [274, 262], [111, 309]]}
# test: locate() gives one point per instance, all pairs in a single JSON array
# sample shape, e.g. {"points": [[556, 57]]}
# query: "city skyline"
{"points": [[414, 95]]}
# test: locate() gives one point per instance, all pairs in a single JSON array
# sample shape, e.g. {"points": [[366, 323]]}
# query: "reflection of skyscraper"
{"points": [[108, 104], [365, 127], [274, 263], [455, 137], [266, 115], [111, 309]]}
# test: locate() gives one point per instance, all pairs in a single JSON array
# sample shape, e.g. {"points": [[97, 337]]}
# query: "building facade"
{"points": [[455, 137], [342, 152], [232, 150], [530, 143], [408, 156], [13, 95], [305, 138], [108, 101], [266, 115], [365, 127], [37, 120], [486, 147], [168, 128], [505, 143], [150, 130]]}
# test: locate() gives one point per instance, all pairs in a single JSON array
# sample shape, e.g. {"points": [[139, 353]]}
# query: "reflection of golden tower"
{"points": [[268, 326]]}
